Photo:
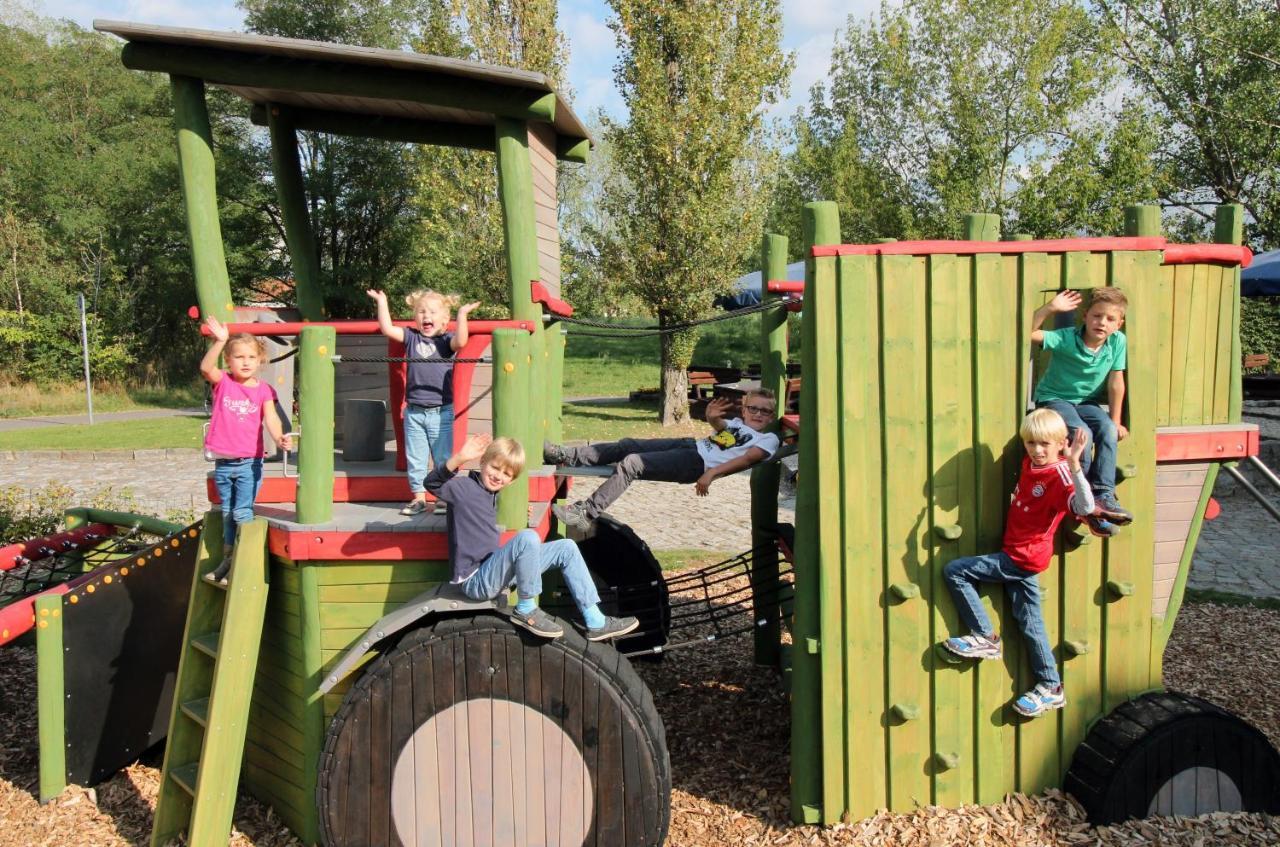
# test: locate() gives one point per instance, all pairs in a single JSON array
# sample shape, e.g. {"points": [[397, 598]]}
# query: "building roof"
{"points": [[257, 60]]}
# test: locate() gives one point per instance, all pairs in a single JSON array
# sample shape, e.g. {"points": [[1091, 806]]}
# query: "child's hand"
{"points": [[286, 442], [720, 407], [1122, 431], [378, 297], [216, 329], [467, 309], [1076, 447], [475, 447], [1066, 301], [703, 485]]}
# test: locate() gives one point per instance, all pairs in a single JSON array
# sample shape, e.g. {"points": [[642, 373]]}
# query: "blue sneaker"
{"points": [[1039, 700], [1109, 507], [974, 646]]}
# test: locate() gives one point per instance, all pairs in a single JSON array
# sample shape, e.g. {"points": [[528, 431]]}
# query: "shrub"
{"points": [[1260, 328], [32, 513]]}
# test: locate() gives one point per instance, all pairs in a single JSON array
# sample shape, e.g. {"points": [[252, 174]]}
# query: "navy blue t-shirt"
{"points": [[472, 518], [429, 384]]}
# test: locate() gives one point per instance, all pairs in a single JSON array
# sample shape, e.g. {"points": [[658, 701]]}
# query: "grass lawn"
{"points": [[610, 420], [678, 560], [152, 433], [30, 400]]}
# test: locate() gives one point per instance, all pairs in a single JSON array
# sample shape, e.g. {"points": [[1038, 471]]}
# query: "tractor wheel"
{"points": [[1173, 754], [472, 731]]}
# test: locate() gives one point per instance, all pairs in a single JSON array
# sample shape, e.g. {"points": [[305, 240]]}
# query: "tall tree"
{"points": [[1211, 67], [695, 77]]}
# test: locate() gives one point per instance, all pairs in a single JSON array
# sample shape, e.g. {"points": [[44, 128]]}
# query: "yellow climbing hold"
{"points": [[159, 551], [322, 349], [509, 367], [106, 580], [191, 533], [57, 612], [173, 543], [74, 598], [44, 624], [89, 589], [124, 572], [44, 613]]}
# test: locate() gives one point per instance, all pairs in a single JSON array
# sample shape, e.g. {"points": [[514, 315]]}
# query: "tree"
{"points": [[1211, 67], [694, 76]]}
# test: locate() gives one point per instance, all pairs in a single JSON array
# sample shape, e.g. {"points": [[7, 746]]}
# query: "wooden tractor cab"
{"points": [[918, 369], [335, 678]]}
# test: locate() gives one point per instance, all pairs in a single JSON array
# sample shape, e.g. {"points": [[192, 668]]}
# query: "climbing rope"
{"points": [[292, 351], [481, 360], [625, 331], [56, 564]]}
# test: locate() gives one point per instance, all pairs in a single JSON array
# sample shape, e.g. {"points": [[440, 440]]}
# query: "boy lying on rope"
{"points": [[737, 444]]}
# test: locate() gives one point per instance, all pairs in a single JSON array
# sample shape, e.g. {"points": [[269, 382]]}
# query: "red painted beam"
{"points": [[785, 286], [791, 422], [554, 305], [1052, 245], [19, 617], [365, 489], [1216, 254], [1196, 444], [360, 327], [10, 554]]}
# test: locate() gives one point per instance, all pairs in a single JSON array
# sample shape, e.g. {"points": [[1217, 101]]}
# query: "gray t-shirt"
{"points": [[429, 384]]}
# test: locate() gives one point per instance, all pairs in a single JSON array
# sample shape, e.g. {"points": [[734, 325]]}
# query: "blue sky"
{"points": [[808, 30]]}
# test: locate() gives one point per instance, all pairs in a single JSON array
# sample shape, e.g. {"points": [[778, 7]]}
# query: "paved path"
{"points": [[11, 424]]}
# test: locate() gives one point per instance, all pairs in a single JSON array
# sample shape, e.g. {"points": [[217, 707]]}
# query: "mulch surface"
{"points": [[727, 728]]}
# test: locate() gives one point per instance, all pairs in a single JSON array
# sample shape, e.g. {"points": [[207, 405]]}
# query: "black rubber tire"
{"points": [[1126, 766], [617, 557], [485, 668]]}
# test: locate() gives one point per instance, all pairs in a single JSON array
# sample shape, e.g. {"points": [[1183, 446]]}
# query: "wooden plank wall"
{"points": [[542, 153], [932, 375]]}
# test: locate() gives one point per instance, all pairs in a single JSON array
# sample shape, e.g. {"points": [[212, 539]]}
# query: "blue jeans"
{"points": [[523, 560], [237, 481], [1099, 469], [428, 431], [1023, 588]]}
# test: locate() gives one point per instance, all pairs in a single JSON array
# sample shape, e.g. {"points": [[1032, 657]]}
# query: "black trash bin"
{"points": [[363, 426]]}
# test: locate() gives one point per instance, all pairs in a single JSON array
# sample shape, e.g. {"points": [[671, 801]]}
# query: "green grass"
{"points": [[31, 400], [681, 559], [151, 433], [610, 421]]}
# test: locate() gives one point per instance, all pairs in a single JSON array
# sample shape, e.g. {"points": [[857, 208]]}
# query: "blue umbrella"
{"points": [[1262, 278]]}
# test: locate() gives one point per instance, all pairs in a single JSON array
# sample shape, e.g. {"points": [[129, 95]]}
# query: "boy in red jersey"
{"points": [[1051, 481]]}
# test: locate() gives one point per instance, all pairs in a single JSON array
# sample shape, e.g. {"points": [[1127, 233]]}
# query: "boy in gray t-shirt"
{"points": [[736, 444]]}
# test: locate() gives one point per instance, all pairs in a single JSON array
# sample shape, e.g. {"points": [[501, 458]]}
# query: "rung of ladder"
{"points": [[185, 776], [207, 643], [197, 710]]}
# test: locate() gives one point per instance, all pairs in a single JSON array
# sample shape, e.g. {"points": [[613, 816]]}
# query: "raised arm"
{"points": [[460, 333], [1064, 301], [746, 460], [719, 410], [1082, 497], [1115, 402], [209, 364], [385, 326]]}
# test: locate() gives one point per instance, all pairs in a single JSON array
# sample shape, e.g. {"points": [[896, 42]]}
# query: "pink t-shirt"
{"points": [[235, 426]]}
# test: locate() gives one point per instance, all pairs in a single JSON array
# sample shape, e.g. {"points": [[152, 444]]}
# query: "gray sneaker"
{"points": [[218, 576], [538, 622], [572, 517], [554, 454], [613, 628]]}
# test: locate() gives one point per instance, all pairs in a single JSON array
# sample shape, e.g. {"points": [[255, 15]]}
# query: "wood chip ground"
{"points": [[727, 728]]}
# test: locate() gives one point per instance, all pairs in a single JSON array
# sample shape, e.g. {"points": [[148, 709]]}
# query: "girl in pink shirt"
{"points": [[241, 405]]}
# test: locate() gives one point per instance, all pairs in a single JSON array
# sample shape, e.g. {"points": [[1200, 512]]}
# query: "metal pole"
{"points": [[1265, 471], [84, 343], [1257, 495]]}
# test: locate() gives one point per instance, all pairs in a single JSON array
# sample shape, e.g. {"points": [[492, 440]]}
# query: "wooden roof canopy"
{"points": [[361, 91]]}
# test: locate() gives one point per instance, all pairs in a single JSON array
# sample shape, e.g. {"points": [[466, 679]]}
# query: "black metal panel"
{"points": [[122, 638]]}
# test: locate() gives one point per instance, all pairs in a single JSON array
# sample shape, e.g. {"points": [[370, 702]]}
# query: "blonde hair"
{"points": [[506, 453], [449, 301], [765, 393], [246, 338], [1109, 296], [1043, 425]]}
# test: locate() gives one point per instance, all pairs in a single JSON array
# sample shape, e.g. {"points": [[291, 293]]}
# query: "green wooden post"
{"points": [[316, 347], [808, 736], [1229, 229], [50, 697], [298, 234], [313, 723], [981, 227], [511, 414], [765, 478], [515, 192], [200, 195]]}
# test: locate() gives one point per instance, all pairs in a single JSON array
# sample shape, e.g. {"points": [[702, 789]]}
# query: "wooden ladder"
{"points": [[215, 684]]}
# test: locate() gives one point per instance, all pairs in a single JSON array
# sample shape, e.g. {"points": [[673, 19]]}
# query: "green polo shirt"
{"points": [[1075, 372]]}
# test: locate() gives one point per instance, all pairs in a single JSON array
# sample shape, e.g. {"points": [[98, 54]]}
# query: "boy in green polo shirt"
{"points": [[1087, 368]]}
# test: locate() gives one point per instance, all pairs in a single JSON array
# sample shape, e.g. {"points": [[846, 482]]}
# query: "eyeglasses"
{"points": [[759, 410]]}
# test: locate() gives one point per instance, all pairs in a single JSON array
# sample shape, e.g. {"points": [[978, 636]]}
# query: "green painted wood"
{"points": [[316, 347], [1183, 282], [1142, 219], [821, 223], [228, 67], [314, 724], [903, 318], [573, 149], [200, 196], [1226, 334], [394, 592], [512, 377], [405, 130], [1209, 341], [78, 516], [353, 615], [1198, 327], [981, 227], [765, 478], [1166, 343], [195, 675], [356, 573], [952, 478], [864, 603], [50, 697], [300, 238], [1229, 229]]}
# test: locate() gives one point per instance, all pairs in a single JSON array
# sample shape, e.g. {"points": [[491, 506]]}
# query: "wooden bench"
{"points": [[1257, 360]]}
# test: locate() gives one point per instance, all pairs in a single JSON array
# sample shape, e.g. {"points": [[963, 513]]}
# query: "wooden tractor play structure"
{"points": [[342, 680]]}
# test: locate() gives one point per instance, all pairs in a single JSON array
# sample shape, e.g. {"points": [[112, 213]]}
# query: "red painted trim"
{"points": [[1212, 509], [1218, 254], [463, 375], [31, 549], [397, 381], [1214, 445], [791, 422], [360, 327], [785, 286], [19, 617], [1052, 245], [365, 489], [795, 306], [554, 305]]}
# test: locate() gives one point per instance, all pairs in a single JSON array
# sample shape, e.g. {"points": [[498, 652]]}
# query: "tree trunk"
{"points": [[677, 350]]}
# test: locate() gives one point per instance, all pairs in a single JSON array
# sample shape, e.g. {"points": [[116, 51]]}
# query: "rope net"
{"points": [[54, 565], [625, 331]]}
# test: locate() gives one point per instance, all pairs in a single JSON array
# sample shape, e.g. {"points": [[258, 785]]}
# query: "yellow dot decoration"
{"points": [[74, 598], [4, 634], [140, 562], [509, 367], [106, 580], [322, 349], [124, 572], [230, 308], [44, 624], [159, 551], [191, 533], [57, 613], [89, 589], [529, 359], [173, 543], [44, 613]]}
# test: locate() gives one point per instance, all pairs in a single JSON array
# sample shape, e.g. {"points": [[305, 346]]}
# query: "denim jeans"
{"points": [[237, 481], [523, 560], [661, 459], [427, 432], [1099, 469], [1023, 589]]}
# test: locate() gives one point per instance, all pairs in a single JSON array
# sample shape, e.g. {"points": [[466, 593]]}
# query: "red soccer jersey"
{"points": [[1040, 499]]}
